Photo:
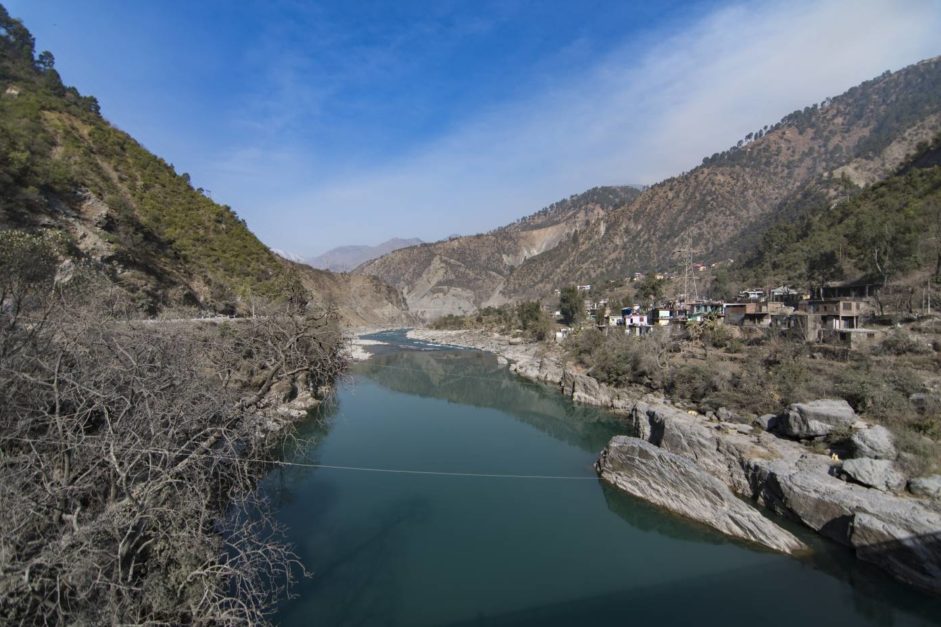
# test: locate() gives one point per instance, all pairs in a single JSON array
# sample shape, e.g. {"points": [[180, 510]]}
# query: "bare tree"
{"points": [[129, 454]]}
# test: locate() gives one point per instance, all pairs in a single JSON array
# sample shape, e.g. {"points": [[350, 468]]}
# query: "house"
{"points": [[837, 313], [635, 322], [831, 321], [851, 338], [785, 294], [751, 295], [615, 321], [847, 289], [700, 310], [562, 333], [660, 316], [583, 288], [756, 314]]}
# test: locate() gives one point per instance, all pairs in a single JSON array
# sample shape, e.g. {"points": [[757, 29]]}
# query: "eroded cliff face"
{"points": [[360, 300], [463, 274]]}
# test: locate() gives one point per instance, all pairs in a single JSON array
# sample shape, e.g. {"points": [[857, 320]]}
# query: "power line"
{"points": [[402, 471]]}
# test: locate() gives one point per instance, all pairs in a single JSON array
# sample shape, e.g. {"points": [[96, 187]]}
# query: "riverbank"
{"points": [[900, 533]]}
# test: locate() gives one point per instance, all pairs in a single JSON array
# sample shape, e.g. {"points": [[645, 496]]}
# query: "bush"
{"points": [[448, 322], [693, 382], [582, 345], [619, 359], [899, 342], [533, 320]]}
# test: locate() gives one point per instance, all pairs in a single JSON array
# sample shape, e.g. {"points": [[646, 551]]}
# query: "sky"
{"points": [[335, 122]]}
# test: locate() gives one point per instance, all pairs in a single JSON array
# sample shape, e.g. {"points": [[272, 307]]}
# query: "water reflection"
{"points": [[477, 379], [391, 549]]}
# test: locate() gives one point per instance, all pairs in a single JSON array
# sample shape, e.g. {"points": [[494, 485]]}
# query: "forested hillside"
{"points": [[122, 210], [887, 233]]}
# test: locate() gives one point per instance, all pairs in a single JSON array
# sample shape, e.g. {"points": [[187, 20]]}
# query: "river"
{"points": [[517, 530]]}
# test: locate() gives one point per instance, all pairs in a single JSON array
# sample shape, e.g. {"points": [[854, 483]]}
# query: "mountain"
{"points": [[284, 254], [714, 212], [346, 258], [129, 214], [887, 233], [461, 274]]}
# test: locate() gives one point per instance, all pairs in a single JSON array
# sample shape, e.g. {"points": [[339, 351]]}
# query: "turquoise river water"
{"points": [[454, 549]]}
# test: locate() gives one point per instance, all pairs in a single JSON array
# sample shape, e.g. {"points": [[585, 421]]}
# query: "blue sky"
{"points": [[331, 123]]}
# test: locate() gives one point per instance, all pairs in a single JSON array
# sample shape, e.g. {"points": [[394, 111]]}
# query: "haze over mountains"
{"points": [[346, 258], [717, 210]]}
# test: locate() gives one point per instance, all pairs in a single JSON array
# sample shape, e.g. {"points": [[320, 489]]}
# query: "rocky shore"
{"points": [[716, 472]]}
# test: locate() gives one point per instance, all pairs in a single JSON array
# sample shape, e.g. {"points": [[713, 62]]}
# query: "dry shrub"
{"points": [[129, 453], [899, 342]]}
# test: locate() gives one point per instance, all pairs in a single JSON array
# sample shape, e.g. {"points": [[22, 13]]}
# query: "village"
{"points": [[833, 314]]}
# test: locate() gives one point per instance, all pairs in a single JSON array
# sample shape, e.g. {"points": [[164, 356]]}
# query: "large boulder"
{"points": [[880, 474], [914, 556], [677, 484], [582, 388], [816, 418], [876, 442], [927, 487], [713, 447], [768, 422], [901, 535]]}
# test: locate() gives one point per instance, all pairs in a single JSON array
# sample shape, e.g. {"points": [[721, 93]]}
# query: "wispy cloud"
{"points": [[635, 117]]}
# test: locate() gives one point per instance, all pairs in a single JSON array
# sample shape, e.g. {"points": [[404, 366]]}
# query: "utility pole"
{"points": [[688, 276]]}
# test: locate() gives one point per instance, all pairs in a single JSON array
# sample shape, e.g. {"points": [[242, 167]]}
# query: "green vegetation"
{"points": [[650, 288], [881, 234], [527, 319], [571, 304], [57, 152], [605, 197]]}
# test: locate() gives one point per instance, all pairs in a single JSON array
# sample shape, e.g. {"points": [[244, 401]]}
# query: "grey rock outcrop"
{"points": [[679, 485], [876, 442], [719, 451], [768, 422], [927, 487], [584, 389], [880, 474], [816, 418], [901, 535]]}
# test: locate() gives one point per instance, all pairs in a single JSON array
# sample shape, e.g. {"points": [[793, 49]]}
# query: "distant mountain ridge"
{"points": [[460, 274], [713, 212], [346, 258]]}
